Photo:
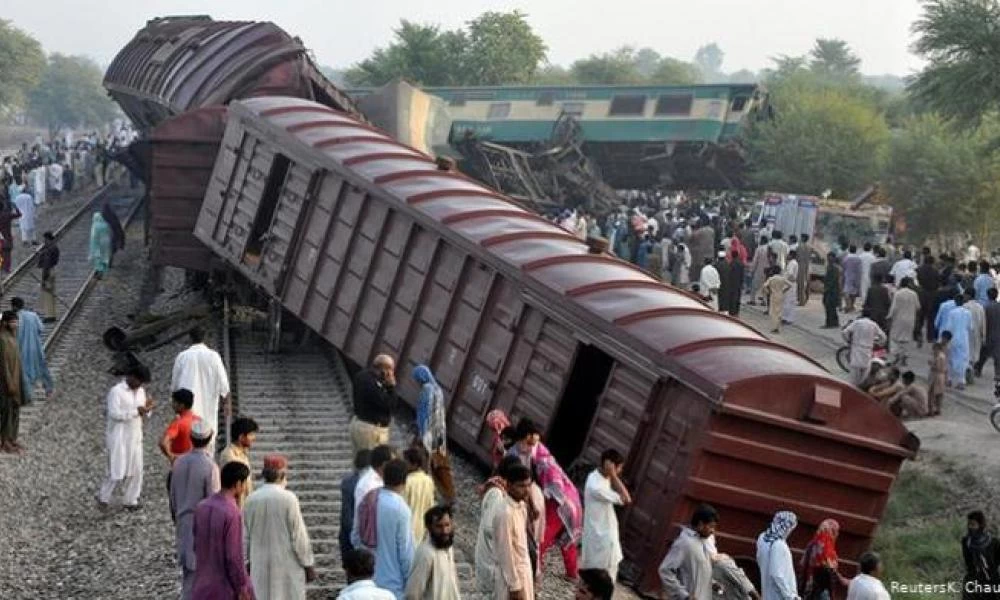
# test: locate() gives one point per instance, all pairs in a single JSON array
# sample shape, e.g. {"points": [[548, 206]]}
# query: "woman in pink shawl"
{"points": [[563, 508]]}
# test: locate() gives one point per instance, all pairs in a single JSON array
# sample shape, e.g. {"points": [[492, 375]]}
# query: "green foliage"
{"points": [[21, 64], [626, 66], [502, 49], [931, 173], [819, 139], [553, 75], [495, 49], [834, 59], [70, 94], [613, 68], [959, 40], [709, 60]]}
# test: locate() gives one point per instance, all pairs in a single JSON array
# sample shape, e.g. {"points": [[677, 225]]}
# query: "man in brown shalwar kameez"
{"points": [[11, 392]]}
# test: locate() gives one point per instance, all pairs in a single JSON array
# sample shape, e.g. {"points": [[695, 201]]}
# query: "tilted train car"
{"points": [[376, 250], [636, 134], [173, 80]]}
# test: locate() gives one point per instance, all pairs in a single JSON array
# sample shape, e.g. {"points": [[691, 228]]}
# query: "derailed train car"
{"points": [[376, 250], [173, 81]]}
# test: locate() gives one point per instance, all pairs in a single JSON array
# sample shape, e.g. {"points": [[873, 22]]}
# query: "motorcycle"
{"points": [[880, 355]]}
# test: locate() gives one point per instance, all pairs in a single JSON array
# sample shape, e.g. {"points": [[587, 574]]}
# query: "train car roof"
{"points": [[669, 323], [574, 92]]}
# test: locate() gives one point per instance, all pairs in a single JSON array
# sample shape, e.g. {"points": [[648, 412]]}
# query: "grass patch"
{"points": [[919, 538]]}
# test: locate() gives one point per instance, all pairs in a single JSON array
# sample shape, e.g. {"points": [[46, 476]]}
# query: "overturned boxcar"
{"points": [[376, 250], [173, 81]]}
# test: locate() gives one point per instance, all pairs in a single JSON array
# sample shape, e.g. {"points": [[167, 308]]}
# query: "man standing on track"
{"points": [[280, 554], [176, 440], [218, 541], [383, 523], [374, 401], [193, 478], [200, 369], [25, 205], [515, 573], [32, 351], [11, 388], [127, 405], [602, 549], [434, 576], [243, 433], [48, 258]]}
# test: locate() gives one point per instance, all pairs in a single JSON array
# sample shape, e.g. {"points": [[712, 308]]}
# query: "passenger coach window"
{"points": [[739, 103], [573, 108], [499, 110], [265, 210], [627, 105], [674, 104]]}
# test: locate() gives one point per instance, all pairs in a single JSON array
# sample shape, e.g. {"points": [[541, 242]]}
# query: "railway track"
{"points": [[75, 280], [301, 400]]}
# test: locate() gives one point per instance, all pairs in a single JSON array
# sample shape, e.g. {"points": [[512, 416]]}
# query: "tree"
{"points": [[932, 176], [833, 58], [495, 49], [420, 53], [70, 94], [553, 75], [613, 68], [744, 76], [502, 49], [709, 59], [646, 61], [784, 67], [819, 139], [21, 64], [671, 71], [958, 38]]}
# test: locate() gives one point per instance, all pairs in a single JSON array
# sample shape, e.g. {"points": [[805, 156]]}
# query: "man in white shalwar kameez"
{"points": [[977, 334], [433, 575], [604, 490], [902, 317], [777, 570], [862, 335], [127, 404], [39, 181], [866, 585], [26, 223], [791, 273], [709, 283], [279, 550], [200, 369]]}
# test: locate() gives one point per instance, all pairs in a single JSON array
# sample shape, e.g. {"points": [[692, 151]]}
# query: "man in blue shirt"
{"points": [[384, 523], [982, 284]]}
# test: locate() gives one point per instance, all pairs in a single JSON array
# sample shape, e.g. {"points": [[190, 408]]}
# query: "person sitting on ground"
{"points": [[911, 401], [884, 390]]}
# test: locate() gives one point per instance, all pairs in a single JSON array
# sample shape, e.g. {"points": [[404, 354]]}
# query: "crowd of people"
{"points": [[906, 297]]}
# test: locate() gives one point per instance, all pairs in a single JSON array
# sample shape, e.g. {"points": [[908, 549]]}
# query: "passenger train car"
{"points": [[375, 248], [640, 136]]}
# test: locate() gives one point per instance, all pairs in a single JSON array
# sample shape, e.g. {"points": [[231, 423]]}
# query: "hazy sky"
{"points": [[341, 32]]}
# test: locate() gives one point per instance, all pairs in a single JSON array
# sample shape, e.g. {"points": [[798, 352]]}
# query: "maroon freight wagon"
{"points": [[375, 249], [173, 81]]}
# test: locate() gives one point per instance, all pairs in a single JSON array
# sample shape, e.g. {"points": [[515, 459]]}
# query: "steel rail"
{"points": [[32, 258], [88, 284]]}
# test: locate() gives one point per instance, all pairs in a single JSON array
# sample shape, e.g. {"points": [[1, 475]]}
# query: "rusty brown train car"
{"points": [[173, 80], [376, 250]]}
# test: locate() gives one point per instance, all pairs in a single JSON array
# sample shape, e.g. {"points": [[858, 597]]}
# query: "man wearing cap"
{"points": [[374, 401], [193, 478], [127, 404], [281, 558]]}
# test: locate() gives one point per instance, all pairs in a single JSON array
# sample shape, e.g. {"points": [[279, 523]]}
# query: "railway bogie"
{"points": [[375, 249]]}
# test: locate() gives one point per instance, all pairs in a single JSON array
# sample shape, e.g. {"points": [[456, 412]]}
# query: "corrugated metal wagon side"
{"points": [[377, 250]]}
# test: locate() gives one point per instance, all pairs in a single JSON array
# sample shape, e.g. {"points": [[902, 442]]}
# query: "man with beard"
{"points": [[686, 571], [433, 575], [981, 552]]}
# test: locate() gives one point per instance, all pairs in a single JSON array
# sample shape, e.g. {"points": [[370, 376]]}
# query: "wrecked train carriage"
{"points": [[376, 250], [173, 80]]}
